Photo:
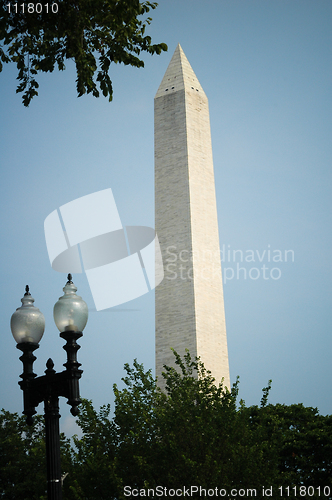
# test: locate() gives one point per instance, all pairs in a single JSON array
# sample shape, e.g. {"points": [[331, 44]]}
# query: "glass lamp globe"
{"points": [[70, 312], [27, 323]]}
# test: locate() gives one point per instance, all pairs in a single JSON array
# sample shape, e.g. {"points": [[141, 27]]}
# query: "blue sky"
{"points": [[265, 66]]}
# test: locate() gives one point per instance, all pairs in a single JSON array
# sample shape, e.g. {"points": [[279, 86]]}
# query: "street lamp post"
{"points": [[27, 325]]}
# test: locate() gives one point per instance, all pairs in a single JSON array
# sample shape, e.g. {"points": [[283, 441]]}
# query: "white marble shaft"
{"points": [[189, 302]]}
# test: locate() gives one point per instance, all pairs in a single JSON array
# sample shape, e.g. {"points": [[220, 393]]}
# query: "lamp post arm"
{"points": [[66, 383]]}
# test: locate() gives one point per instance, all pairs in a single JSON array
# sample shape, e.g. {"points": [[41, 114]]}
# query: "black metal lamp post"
{"points": [[27, 325]]}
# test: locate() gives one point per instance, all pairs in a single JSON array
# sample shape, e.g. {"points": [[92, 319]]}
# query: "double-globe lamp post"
{"points": [[27, 325]]}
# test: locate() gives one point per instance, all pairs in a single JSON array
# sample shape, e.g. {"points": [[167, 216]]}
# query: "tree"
{"points": [[197, 434], [23, 458], [303, 440], [94, 461], [94, 33], [193, 434]]}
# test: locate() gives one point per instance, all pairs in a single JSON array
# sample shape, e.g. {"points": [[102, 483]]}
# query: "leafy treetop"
{"points": [[93, 33]]}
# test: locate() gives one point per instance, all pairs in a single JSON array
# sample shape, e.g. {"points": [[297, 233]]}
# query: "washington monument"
{"points": [[189, 302]]}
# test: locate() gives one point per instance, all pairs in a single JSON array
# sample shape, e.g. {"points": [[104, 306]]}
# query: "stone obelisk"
{"points": [[189, 302]]}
